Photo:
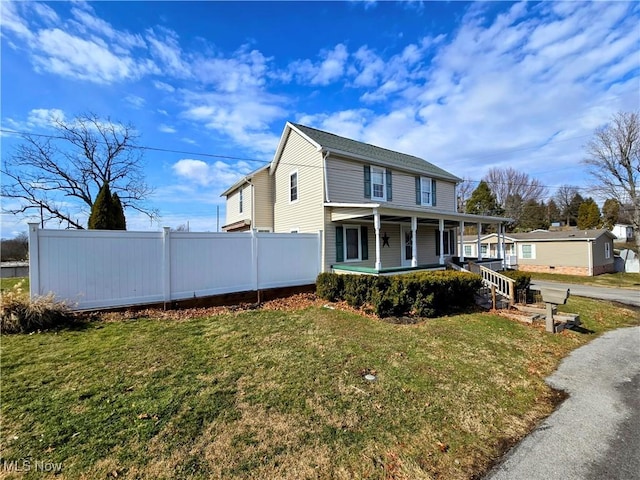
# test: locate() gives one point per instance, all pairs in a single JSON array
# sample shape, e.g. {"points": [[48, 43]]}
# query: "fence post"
{"points": [[254, 260], [34, 260], [166, 265], [320, 264]]}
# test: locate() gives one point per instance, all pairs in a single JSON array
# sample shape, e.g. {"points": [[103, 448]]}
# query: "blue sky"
{"points": [[467, 86]]}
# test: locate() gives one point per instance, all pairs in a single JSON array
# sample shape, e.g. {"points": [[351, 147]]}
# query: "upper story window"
{"points": [[241, 199], [377, 183], [425, 191], [293, 186]]}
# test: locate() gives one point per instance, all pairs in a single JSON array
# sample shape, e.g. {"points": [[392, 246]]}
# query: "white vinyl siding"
{"points": [[307, 213], [344, 179]]}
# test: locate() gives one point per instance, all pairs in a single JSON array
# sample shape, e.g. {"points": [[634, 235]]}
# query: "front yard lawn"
{"points": [[282, 394]]}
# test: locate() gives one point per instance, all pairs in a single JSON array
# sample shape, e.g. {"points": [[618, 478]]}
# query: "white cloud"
{"points": [[165, 48], [494, 91], [166, 128], [330, 68], [165, 87], [135, 101], [217, 174]]}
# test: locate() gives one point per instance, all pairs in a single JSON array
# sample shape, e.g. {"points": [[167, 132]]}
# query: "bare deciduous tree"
{"points": [[564, 199], [59, 176], [613, 158], [507, 182], [513, 190], [464, 190]]}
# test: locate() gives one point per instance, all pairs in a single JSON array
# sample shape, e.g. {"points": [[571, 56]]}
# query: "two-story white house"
{"points": [[378, 210]]}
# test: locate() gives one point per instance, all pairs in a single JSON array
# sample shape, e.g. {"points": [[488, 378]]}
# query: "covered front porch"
{"points": [[379, 239]]}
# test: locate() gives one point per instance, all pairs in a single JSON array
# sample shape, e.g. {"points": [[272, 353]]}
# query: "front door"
{"points": [[407, 246]]}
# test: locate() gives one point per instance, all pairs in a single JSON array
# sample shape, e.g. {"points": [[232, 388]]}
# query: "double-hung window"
{"points": [[378, 185], [527, 251], [293, 186], [425, 191], [241, 199]]}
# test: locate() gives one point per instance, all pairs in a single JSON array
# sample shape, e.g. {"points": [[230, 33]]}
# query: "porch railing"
{"points": [[504, 285]]}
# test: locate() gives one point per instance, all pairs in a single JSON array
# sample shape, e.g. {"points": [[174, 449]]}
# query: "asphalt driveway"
{"points": [[622, 295], [595, 433]]}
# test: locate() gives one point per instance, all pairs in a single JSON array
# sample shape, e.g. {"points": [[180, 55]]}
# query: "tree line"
{"points": [[95, 167], [515, 195]]}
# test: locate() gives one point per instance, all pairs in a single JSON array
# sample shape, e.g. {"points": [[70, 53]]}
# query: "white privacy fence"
{"points": [[99, 269]]}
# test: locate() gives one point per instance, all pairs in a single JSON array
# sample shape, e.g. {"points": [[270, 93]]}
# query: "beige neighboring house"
{"points": [[378, 210], [573, 252], [250, 203]]}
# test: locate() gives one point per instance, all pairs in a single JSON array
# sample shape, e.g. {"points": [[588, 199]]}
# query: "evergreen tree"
{"points": [[588, 215], [483, 201], [120, 222], [571, 211], [105, 214], [610, 213], [534, 216], [553, 212]]}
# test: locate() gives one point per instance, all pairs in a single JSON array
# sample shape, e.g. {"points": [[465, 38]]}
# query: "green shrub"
{"points": [[523, 279], [329, 286], [424, 294], [19, 314]]}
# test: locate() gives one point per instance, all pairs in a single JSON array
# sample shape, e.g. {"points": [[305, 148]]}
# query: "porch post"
{"points": [[376, 226], [461, 241], [501, 243], [414, 243], [441, 226], [479, 244]]}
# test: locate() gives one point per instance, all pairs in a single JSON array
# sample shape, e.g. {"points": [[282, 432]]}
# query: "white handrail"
{"points": [[504, 285]]}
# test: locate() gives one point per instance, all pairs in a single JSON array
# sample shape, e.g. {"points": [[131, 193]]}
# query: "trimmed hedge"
{"points": [[424, 294]]}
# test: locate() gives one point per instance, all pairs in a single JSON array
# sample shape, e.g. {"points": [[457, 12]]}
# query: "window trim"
{"points": [[607, 250], [384, 183], [429, 182], [345, 243], [297, 189], [532, 253], [467, 250]]}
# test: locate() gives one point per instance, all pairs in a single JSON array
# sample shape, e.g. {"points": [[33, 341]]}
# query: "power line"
{"points": [[318, 167]]}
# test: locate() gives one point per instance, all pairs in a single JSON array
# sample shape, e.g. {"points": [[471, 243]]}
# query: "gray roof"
{"points": [[544, 235], [374, 154]]}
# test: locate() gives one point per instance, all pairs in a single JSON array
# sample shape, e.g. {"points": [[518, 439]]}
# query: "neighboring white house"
{"points": [[377, 209], [624, 233]]}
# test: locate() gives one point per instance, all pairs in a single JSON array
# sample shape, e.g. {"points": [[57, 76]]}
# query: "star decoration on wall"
{"points": [[385, 240]]}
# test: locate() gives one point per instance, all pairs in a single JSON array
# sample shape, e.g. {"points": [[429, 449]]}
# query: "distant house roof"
{"points": [[549, 236], [247, 178], [365, 152]]}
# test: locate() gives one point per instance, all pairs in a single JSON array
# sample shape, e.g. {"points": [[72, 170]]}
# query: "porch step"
{"points": [[483, 300]]}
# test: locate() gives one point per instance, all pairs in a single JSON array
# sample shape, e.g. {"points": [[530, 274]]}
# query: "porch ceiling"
{"points": [[365, 212]]}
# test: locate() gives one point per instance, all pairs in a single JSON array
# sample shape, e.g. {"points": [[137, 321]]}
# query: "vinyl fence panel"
{"points": [[101, 269]]}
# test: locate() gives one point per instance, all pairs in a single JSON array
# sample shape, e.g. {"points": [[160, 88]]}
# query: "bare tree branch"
{"points": [[613, 159], [60, 177]]}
